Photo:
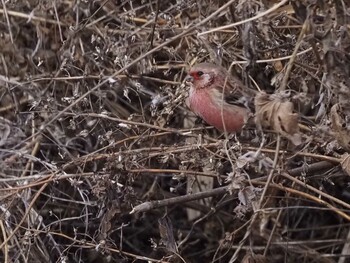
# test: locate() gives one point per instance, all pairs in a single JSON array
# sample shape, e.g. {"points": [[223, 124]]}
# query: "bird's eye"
{"points": [[200, 73]]}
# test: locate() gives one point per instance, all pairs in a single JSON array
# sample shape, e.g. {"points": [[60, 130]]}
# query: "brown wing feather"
{"points": [[236, 93]]}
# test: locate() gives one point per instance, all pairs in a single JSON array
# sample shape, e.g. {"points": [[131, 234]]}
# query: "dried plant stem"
{"points": [[315, 190], [262, 14], [260, 203], [269, 178], [303, 31], [19, 224], [310, 197], [269, 241], [4, 236], [177, 200], [29, 17], [185, 32], [5, 12]]}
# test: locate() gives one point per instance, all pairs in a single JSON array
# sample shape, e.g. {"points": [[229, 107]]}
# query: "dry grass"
{"points": [[94, 129]]}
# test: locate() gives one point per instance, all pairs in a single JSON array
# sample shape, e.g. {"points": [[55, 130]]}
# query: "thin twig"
{"points": [[262, 14], [5, 12], [24, 217], [154, 24], [303, 31], [144, 207]]}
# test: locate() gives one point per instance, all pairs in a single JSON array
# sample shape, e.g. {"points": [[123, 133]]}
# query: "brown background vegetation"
{"points": [[94, 129]]}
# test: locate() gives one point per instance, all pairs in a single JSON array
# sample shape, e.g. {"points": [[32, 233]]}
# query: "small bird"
{"points": [[210, 97]]}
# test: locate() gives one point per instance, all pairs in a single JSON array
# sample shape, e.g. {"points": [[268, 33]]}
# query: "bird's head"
{"points": [[206, 76]]}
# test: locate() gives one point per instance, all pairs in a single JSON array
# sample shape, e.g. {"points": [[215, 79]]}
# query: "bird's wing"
{"points": [[235, 93]]}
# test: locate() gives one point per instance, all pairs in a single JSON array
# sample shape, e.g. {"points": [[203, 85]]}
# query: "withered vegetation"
{"points": [[101, 160]]}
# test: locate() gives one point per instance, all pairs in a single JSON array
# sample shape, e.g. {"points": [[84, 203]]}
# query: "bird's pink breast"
{"points": [[211, 112]]}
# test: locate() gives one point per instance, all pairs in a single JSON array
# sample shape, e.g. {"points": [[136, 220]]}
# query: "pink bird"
{"points": [[211, 87]]}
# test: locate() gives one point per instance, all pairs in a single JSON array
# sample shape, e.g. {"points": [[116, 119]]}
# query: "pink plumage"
{"points": [[210, 86]]}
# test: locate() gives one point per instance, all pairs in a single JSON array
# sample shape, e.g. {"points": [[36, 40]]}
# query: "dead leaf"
{"points": [[275, 112], [246, 195], [278, 66], [106, 222], [339, 127]]}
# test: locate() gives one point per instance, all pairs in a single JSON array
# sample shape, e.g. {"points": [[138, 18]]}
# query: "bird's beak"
{"points": [[189, 78]]}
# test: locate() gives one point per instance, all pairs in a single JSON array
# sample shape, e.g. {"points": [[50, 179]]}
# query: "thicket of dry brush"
{"points": [[94, 129]]}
